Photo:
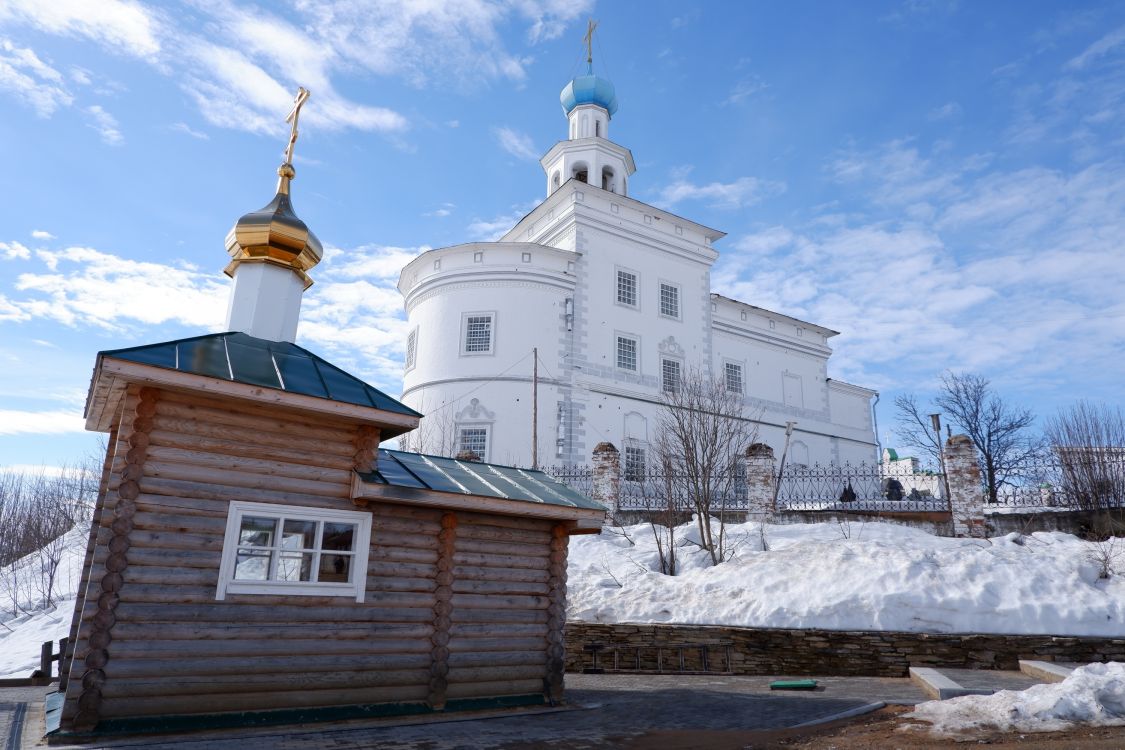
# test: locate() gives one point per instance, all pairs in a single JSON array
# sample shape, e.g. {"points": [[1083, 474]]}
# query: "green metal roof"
{"points": [[416, 471], [240, 358]]}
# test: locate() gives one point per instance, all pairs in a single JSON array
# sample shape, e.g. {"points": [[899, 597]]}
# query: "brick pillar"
{"points": [[760, 477], [966, 492], [607, 475]]}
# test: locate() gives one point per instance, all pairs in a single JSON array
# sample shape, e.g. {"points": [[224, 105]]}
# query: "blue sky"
{"points": [[942, 182]]}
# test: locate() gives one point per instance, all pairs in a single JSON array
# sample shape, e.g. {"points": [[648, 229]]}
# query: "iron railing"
{"points": [[1082, 482], [859, 487]]}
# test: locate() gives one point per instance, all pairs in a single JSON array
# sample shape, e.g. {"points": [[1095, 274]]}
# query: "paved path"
{"points": [[21, 716], [603, 711]]}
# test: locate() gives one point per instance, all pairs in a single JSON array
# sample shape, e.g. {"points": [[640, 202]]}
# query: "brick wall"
{"points": [[777, 651]]}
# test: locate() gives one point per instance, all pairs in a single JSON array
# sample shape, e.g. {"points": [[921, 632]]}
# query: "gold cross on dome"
{"points": [[589, 39], [298, 102]]}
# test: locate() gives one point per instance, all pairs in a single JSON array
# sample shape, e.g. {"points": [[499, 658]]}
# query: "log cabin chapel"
{"points": [[255, 557]]}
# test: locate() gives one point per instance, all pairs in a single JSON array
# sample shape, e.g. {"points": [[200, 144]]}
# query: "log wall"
{"points": [[456, 605]]}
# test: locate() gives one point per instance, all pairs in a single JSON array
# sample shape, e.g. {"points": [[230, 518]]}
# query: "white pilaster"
{"points": [[265, 302]]}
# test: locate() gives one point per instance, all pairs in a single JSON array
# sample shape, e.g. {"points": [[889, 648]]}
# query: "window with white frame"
{"points": [[634, 469], [627, 353], [282, 550], [411, 349], [670, 375], [733, 375], [477, 330], [626, 288], [473, 439], [669, 300]]}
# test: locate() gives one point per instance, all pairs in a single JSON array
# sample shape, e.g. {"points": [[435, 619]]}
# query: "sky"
{"points": [[941, 182]]}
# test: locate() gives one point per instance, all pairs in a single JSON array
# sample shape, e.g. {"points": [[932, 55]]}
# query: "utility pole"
{"points": [[535, 408], [935, 421], [781, 470]]}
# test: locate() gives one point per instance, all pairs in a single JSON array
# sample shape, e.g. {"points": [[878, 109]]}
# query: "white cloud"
{"points": [[14, 251], [84, 287], [17, 422], [947, 111], [183, 127], [42, 234], [33, 81], [445, 209], [106, 125], [516, 143], [744, 191], [745, 89], [1098, 49], [490, 230]]}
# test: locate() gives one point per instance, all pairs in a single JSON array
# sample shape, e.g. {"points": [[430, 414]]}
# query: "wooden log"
{"points": [[181, 558], [282, 451], [479, 651], [492, 547], [476, 559], [222, 612], [383, 554], [155, 593], [400, 539], [496, 534], [123, 687], [181, 631], [387, 525], [256, 647], [166, 540], [493, 629], [495, 689], [184, 505], [500, 574], [177, 522], [217, 478], [512, 616], [160, 574], [468, 518], [380, 570], [244, 464], [289, 664], [389, 583], [208, 704], [185, 489], [276, 422], [490, 601], [512, 672], [534, 588], [393, 510]]}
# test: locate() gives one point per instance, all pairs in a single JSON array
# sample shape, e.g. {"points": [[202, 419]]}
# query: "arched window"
{"points": [[573, 129], [555, 181], [624, 186], [585, 126], [580, 172], [607, 179], [598, 128]]}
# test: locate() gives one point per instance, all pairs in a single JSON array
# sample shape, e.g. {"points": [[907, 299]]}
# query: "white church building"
{"points": [[615, 296]]}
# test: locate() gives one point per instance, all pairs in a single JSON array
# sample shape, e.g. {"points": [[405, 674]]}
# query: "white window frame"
{"points": [[617, 336], [667, 364], [636, 304], [411, 349], [660, 300], [491, 315], [741, 376], [355, 587], [627, 466], [487, 428]]}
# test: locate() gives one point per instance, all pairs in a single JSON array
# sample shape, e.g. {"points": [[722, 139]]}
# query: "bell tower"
{"points": [[589, 103]]}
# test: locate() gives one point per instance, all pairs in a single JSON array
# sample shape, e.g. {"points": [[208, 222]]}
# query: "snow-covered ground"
{"points": [[1093, 695], [861, 576], [25, 621]]}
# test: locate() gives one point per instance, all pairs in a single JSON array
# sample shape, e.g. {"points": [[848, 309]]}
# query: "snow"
{"points": [[25, 621], [1093, 695], [857, 576]]}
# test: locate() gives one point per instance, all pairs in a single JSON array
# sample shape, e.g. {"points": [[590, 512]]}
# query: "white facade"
{"points": [[614, 293]]}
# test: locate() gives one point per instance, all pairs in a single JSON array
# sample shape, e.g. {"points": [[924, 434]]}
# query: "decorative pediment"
{"points": [[475, 411], [670, 346]]}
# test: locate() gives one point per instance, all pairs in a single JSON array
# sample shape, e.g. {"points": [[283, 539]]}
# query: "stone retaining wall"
{"points": [[777, 651]]}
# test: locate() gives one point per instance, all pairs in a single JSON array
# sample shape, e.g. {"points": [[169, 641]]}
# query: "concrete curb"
{"points": [[936, 685], [857, 711], [1044, 670]]}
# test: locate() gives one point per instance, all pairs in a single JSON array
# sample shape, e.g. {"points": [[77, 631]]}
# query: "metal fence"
{"points": [[858, 487], [651, 491], [578, 477], [1070, 482]]}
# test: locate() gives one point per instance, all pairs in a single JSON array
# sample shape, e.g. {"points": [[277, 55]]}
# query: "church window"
{"points": [[626, 288], [280, 549], [526, 257], [411, 349], [473, 439], [598, 128], [477, 333], [627, 353], [634, 469], [478, 257], [669, 300], [732, 372], [555, 181], [669, 375]]}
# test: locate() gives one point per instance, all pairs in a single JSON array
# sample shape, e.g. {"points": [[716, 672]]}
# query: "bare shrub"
{"points": [[1089, 442]]}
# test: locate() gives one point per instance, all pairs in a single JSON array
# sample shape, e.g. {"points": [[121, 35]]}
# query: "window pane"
{"points": [[474, 439], [627, 288], [669, 301], [294, 567], [257, 531], [298, 535], [634, 464], [338, 536], [626, 353], [411, 348], [252, 565], [334, 568], [670, 375], [478, 333], [734, 377]]}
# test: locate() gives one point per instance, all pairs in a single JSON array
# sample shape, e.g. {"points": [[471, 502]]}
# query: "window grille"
{"points": [[478, 334], [634, 469], [411, 349], [627, 353], [733, 377], [474, 439], [669, 301], [670, 375], [627, 288]]}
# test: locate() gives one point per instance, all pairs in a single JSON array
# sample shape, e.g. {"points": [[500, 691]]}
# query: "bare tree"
{"points": [[436, 434], [999, 430], [1089, 443], [703, 427]]}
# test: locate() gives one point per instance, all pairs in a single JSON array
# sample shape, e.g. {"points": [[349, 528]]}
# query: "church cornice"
{"points": [[452, 281], [818, 350]]}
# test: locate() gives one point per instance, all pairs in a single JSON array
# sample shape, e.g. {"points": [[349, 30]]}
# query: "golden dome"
{"points": [[274, 233]]}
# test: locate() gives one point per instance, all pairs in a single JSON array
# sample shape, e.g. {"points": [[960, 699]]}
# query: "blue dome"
{"points": [[589, 89]]}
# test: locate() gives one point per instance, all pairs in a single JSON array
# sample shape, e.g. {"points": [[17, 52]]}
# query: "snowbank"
{"points": [[25, 620], [1093, 695], [861, 576]]}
